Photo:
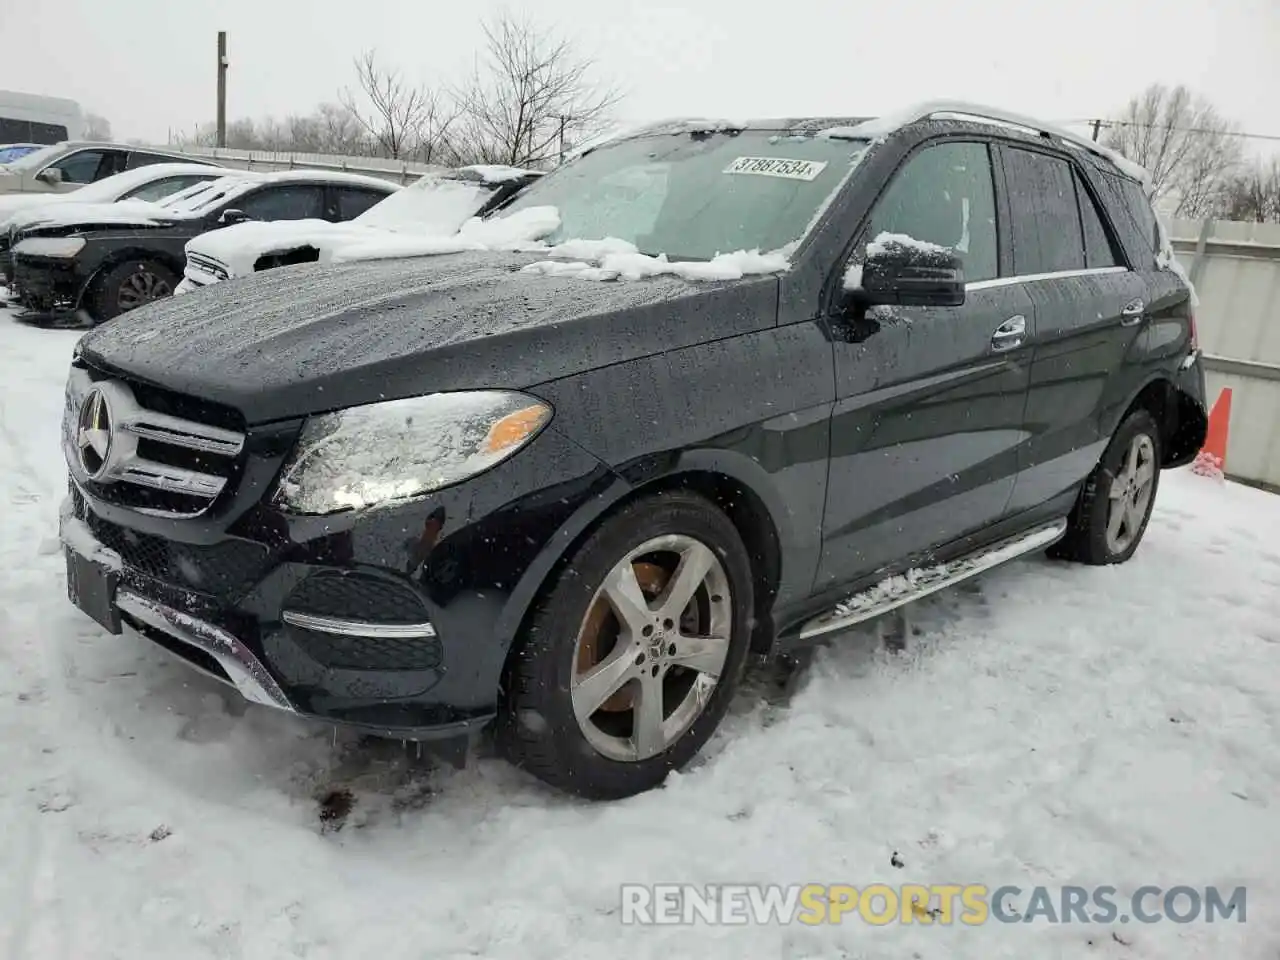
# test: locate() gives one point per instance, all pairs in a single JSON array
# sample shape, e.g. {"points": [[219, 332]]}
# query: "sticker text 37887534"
{"points": [[777, 167]]}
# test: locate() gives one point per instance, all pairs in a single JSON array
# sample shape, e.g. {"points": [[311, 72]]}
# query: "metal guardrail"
{"points": [[398, 171]]}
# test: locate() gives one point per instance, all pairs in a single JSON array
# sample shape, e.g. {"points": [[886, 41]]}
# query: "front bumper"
{"points": [[395, 620], [44, 283]]}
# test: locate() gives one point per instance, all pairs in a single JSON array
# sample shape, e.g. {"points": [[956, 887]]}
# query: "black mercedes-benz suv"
{"points": [[743, 378]]}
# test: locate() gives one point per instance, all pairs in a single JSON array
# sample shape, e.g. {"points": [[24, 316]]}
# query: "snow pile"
{"points": [[713, 126], [853, 277], [519, 231], [495, 172], [615, 259]]}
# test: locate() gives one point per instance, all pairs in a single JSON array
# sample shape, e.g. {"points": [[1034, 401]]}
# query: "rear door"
{"points": [[929, 400], [1088, 309]]}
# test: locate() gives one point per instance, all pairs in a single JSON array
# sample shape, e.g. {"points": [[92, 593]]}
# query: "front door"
{"points": [[929, 400]]}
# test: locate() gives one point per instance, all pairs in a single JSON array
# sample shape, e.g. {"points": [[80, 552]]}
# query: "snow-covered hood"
{"points": [[299, 340], [69, 214], [239, 247], [11, 203], [429, 208]]}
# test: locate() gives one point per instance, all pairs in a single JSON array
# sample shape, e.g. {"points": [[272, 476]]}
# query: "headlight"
{"points": [[50, 246], [370, 454]]}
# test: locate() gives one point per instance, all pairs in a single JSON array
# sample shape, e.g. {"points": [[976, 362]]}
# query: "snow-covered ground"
{"points": [[1057, 725]]}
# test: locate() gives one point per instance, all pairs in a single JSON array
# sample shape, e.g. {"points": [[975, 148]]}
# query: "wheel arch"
{"points": [[123, 255], [732, 482], [1181, 418]]}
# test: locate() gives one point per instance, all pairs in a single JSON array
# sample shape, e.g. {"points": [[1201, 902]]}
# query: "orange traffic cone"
{"points": [[1212, 459]]}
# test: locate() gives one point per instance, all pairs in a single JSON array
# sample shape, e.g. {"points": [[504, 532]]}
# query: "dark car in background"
{"points": [[117, 259], [750, 375]]}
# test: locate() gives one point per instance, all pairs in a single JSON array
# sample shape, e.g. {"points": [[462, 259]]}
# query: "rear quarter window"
{"points": [[1132, 214]]}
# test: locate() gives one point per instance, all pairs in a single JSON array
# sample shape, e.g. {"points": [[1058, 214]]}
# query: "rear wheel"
{"points": [[1111, 516], [630, 660], [130, 285]]}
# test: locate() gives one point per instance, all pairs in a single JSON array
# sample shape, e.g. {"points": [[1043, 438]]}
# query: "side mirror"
{"points": [[50, 175], [232, 216], [901, 271]]}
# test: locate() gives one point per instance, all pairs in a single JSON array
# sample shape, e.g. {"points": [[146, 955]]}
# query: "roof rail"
{"points": [[936, 109]]}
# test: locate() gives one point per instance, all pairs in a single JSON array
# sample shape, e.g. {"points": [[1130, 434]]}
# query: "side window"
{"points": [[352, 202], [293, 202], [1140, 206], [1047, 235], [83, 166], [1099, 249], [139, 159], [944, 195], [159, 189]]}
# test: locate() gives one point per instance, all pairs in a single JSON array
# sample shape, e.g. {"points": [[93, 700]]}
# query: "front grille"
{"points": [[357, 597], [222, 569], [370, 653], [172, 455], [207, 265]]}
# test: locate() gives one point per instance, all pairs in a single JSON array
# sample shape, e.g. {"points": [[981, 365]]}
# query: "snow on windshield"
{"points": [[431, 205], [196, 200], [614, 259], [696, 196]]}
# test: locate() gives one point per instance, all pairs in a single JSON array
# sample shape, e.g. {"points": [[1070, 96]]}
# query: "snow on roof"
{"points": [[328, 176]]}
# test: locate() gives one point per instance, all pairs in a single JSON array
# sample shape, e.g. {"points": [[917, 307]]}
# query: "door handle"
{"points": [[1009, 334], [1133, 312]]}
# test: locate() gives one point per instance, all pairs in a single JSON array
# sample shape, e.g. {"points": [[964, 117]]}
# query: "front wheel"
{"points": [[130, 285], [1111, 516], [630, 659]]}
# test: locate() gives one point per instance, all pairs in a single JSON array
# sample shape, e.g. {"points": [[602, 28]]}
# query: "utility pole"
{"points": [[1097, 124], [222, 88], [562, 120]]}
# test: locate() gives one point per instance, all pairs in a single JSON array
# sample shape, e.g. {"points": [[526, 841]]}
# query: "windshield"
{"points": [[693, 198], [431, 204], [197, 200], [12, 153], [35, 158]]}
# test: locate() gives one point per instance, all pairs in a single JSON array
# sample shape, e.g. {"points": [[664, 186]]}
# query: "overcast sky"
{"points": [[148, 66]]}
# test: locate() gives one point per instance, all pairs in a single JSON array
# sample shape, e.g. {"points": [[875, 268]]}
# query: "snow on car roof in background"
{"points": [[498, 173]]}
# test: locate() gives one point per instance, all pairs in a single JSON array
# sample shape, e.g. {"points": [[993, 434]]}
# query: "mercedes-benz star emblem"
{"points": [[93, 439]]}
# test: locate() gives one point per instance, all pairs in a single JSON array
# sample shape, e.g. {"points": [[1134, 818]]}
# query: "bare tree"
{"points": [[341, 132], [1188, 147], [529, 98], [1253, 195], [96, 127], [402, 119]]}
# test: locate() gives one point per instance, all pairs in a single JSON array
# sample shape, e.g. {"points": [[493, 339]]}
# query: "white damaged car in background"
{"points": [[435, 205]]}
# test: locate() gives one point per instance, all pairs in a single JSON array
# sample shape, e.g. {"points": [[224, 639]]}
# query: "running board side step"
{"points": [[919, 582]]}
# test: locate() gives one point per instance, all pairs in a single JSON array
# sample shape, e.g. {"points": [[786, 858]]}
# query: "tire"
{"points": [[1088, 538], [137, 281], [575, 631]]}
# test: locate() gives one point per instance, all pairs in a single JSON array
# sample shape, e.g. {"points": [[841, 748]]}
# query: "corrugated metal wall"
{"points": [[1236, 270]]}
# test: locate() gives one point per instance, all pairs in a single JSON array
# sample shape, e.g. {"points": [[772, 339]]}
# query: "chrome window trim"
{"points": [[1034, 277]]}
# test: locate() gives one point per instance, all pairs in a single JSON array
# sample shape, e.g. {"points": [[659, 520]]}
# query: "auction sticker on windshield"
{"points": [[777, 167]]}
